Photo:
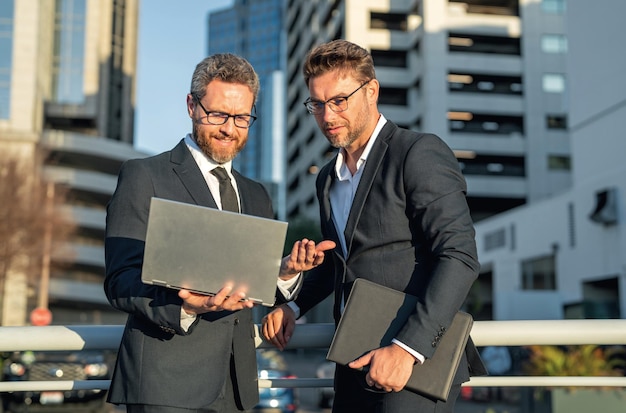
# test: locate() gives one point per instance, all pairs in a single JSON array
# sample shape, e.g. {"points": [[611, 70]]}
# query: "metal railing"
{"points": [[309, 336]]}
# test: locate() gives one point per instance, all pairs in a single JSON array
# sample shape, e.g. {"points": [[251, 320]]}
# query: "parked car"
{"points": [[271, 365], [56, 365]]}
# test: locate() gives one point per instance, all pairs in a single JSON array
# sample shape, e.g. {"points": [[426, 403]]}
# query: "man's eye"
{"points": [[337, 101]]}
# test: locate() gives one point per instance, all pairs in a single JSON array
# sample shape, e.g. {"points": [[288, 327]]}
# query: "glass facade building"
{"points": [[254, 30], [6, 52], [69, 51]]}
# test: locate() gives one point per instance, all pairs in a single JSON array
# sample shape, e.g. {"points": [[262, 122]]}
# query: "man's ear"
{"points": [[191, 105], [373, 89]]}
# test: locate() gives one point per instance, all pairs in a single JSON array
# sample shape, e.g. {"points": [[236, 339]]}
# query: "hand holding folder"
{"points": [[372, 317]]}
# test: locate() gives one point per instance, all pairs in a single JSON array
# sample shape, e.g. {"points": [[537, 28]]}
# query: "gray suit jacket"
{"points": [[409, 229], [159, 363]]}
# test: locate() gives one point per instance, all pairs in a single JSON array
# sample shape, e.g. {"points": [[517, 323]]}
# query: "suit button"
{"points": [[236, 321]]}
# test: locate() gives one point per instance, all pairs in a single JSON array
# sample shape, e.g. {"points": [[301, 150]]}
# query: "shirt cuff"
{"points": [[186, 320], [419, 357], [291, 287], [295, 308]]}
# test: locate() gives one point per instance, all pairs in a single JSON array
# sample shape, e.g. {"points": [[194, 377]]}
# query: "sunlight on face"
{"points": [[221, 142]]}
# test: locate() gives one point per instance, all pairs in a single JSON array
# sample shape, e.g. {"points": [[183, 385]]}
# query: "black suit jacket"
{"points": [[409, 229], [159, 363]]}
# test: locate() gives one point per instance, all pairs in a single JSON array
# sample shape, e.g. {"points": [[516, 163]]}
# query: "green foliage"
{"points": [[584, 360], [300, 228]]}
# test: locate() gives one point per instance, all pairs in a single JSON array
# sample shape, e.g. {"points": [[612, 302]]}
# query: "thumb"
{"points": [[325, 246], [361, 362]]}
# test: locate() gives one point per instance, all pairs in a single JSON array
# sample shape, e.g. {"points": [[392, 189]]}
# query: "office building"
{"points": [[565, 257], [487, 76], [67, 86]]}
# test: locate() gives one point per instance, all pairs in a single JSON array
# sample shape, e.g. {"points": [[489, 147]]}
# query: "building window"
{"points": [[559, 163], [539, 273], [493, 7], [69, 51], [553, 43], [389, 21], [483, 83], [393, 96], [556, 121], [553, 83], [471, 43], [495, 239], [553, 6], [6, 53], [390, 58], [494, 165], [483, 123]]}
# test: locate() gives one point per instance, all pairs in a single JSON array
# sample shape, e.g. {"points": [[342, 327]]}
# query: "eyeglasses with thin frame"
{"points": [[336, 104], [220, 118]]}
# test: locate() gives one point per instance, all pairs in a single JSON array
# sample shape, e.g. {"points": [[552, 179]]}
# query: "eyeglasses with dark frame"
{"points": [[336, 104], [220, 118]]}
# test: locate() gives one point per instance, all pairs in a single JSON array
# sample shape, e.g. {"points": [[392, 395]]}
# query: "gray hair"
{"points": [[226, 67]]}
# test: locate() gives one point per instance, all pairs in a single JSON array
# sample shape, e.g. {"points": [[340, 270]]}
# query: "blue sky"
{"points": [[172, 40]]}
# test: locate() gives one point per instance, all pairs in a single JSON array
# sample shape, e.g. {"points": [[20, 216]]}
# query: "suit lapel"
{"points": [[372, 166], [327, 176], [186, 168]]}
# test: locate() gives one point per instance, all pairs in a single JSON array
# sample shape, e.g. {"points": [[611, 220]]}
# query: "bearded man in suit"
{"points": [[183, 352], [394, 202]]}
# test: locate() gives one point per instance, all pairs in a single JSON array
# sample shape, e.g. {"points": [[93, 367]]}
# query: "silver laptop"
{"points": [[201, 249]]}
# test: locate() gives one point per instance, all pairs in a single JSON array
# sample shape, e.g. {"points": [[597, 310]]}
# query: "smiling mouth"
{"points": [[224, 139]]}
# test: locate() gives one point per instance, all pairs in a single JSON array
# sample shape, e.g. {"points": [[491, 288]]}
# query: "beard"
{"points": [[205, 140], [354, 130]]}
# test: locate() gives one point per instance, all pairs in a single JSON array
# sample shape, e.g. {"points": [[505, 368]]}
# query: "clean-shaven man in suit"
{"points": [[183, 352], [394, 202]]}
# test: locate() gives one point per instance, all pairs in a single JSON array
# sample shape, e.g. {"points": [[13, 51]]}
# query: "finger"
{"points": [[293, 256], [279, 338], [361, 362], [289, 328], [310, 251], [325, 246], [235, 301], [306, 251], [319, 251], [271, 331], [222, 294], [265, 329]]}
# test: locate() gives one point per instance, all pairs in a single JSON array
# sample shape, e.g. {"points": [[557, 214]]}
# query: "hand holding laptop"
{"points": [[305, 255], [224, 300]]}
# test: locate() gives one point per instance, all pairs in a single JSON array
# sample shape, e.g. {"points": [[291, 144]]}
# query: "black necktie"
{"points": [[227, 192]]}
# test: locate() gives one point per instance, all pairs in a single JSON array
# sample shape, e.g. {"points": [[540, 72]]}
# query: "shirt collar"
{"points": [[341, 169]]}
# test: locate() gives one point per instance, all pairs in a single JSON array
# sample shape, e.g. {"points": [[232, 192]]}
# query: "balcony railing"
{"points": [[307, 336]]}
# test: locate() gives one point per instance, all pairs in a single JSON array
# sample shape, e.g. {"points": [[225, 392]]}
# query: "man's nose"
{"points": [[228, 126]]}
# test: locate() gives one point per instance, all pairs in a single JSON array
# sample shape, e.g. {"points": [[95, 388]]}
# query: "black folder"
{"points": [[372, 317]]}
